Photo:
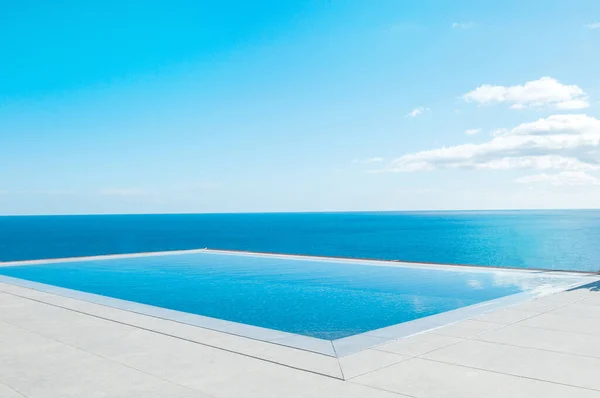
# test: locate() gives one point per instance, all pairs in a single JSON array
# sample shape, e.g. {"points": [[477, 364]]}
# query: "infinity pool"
{"points": [[323, 298]]}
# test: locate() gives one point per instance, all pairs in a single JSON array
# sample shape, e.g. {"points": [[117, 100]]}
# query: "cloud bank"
{"points": [[559, 142], [545, 92]]}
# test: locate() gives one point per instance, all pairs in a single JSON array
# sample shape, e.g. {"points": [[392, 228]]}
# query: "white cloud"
{"points": [[472, 131], [122, 192], [537, 93], [499, 132], [562, 178], [463, 25], [593, 25], [559, 142], [417, 111]]}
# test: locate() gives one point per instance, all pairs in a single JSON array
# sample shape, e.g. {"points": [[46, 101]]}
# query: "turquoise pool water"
{"points": [[323, 298]]}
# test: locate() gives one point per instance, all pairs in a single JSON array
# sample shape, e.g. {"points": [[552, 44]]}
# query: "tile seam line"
{"points": [[463, 339], [176, 337], [544, 313], [151, 316], [583, 304], [406, 358], [511, 374], [12, 388], [577, 316], [337, 359], [427, 352], [535, 348], [519, 321], [107, 359], [400, 394], [512, 323], [477, 337], [409, 357], [553, 330]]}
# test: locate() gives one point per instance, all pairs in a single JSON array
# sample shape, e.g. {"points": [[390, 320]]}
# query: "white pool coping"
{"points": [[315, 349], [53, 346]]}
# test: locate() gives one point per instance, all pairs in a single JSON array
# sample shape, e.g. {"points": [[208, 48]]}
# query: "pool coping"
{"points": [[337, 348], [342, 368], [417, 366]]}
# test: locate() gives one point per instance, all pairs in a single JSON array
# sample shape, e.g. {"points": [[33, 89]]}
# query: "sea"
{"points": [[543, 239]]}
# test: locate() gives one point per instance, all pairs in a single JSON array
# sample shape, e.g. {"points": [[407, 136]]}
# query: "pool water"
{"points": [[323, 298]]}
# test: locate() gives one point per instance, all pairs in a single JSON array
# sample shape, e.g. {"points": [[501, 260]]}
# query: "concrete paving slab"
{"points": [[465, 329], [545, 339], [419, 344], [594, 300], [347, 390], [30, 293], [537, 306], [39, 367], [81, 333], [34, 318], [213, 371], [567, 297], [368, 361], [506, 316], [564, 323], [8, 392], [356, 343], [427, 379], [584, 311], [519, 361]]}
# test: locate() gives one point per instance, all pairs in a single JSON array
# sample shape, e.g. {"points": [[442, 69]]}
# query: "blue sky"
{"points": [[230, 106]]}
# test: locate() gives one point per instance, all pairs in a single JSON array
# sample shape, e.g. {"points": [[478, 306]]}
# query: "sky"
{"points": [[236, 106]]}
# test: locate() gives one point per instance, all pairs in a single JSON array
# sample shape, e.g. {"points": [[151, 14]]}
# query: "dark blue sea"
{"points": [[565, 239]]}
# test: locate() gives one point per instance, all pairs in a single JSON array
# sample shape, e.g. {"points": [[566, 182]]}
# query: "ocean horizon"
{"points": [[535, 239]]}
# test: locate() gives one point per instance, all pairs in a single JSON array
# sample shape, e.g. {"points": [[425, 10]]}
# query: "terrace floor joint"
{"points": [[510, 374], [103, 357], [13, 389], [179, 337]]}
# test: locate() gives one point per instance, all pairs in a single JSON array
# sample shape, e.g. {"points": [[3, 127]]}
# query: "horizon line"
{"points": [[305, 212]]}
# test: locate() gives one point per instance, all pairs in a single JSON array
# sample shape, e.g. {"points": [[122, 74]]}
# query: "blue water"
{"points": [[532, 239], [320, 298]]}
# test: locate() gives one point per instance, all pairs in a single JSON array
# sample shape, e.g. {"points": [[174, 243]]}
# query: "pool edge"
{"points": [[290, 350], [372, 261]]}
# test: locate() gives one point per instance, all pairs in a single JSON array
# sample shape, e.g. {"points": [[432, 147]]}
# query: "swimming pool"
{"points": [[274, 297]]}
